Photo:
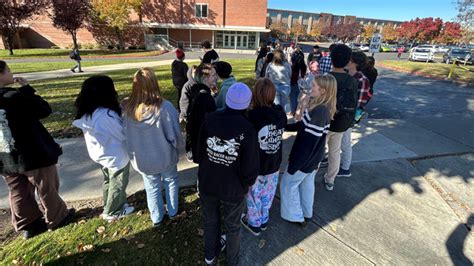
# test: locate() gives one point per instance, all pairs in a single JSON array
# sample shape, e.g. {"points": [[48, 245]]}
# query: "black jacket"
{"points": [[228, 155], [210, 57], [270, 123], [347, 92], [25, 143], [201, 103], [308, 148], [179, 71]]}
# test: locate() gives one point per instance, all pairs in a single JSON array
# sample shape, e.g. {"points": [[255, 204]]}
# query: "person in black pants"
{"points": [[228, 158], [179, 73]]}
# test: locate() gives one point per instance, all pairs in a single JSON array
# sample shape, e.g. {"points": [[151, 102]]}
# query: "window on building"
{"points": [[201, 10]]}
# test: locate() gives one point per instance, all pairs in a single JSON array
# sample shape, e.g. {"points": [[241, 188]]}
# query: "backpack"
{"points": [[192, 95], [346, 103], [72, 55]]}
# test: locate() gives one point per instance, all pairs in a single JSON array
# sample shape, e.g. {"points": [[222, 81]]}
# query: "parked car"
{"points": [[458, 54], [354, 46], [444, 48], [433, 48], [421, 54], [385, 48], [364, 47]]}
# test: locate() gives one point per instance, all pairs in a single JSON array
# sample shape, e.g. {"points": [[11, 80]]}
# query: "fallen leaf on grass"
{"points": [[88, 247], [15, 262], [106, 250], [69, 253], [100, 229], [299, 251], [261, 244], [139, 213], [200, 232], [115, 234], [141, 245], [81, 222]]}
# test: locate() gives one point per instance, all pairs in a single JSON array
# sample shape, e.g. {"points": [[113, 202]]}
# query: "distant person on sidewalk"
{"points": [[179, 73], [228, 158], [371, 72], [325, 63], [28, 159], [269, 120], [98, 115], [76, 56], [210, 55], [224, 72], [315, 55], [347, 93], [357, 63], [279, 72], [297, 183], [400, 51], [201, 102], [153, 139]]}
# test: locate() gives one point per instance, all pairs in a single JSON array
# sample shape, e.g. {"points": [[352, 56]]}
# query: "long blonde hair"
{"points": [[328, 83], [146, 95]]}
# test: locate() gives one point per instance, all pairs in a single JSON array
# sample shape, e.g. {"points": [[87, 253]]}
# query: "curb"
{"points": [[420, 74]]}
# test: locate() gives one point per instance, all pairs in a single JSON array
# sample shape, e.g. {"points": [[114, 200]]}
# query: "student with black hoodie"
{"points": [[228, 157], [201, 102], [179, 73], [28, 157], [269, 121]]}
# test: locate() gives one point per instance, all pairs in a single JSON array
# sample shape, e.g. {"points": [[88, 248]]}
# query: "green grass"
{"points": [[27, 67], [64, 53], [131, 240], [434, 69], [61, 93]]}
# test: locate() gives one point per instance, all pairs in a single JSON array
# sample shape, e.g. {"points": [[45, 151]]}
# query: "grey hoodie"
{"points": [[153, 143], [184, 100]]}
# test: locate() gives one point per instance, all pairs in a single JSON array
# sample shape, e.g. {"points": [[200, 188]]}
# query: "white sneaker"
{"points": [[328, 186], [126, 211], [189, 156]]}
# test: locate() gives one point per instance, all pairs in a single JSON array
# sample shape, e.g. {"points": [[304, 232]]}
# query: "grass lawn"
{"points": [[26, 67], [61, 93], [433, 69], [64, 53], [90, 240]]}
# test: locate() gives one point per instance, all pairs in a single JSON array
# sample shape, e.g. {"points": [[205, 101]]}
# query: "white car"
{"points": [[421, 54], [364, 47], [433, 48]]}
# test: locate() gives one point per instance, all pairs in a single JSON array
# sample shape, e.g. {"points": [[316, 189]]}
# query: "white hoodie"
{"points": [[105, 138]]}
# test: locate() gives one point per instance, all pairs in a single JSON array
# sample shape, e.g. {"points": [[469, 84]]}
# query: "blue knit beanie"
{"points": [[238, 96]]}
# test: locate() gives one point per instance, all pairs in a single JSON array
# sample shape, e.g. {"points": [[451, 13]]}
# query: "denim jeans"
{"points": [[346, 149], [77, 66], [297, 196], [210, 207], [153, 187], [295, 92], [281, 96]]}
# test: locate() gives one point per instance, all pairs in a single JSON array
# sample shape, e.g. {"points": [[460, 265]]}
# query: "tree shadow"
{"points": [[169, 12]]}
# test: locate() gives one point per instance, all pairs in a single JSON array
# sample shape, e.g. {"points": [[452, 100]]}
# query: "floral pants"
{"points": [[259, 199]]}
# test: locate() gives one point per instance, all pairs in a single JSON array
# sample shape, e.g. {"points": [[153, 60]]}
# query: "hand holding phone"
{"points": [[21, 81]]}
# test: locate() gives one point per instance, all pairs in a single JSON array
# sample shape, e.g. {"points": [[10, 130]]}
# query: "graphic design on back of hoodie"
{"points": [[7, 143], [222, 151], [269, 138]]}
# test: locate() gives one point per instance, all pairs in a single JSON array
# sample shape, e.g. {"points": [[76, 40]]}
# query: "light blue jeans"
{"points": [[297, 196], [153, 187], [281, 96]]}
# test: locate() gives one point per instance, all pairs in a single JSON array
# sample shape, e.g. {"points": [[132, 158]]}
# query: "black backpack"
{"points": [[346, 103]]}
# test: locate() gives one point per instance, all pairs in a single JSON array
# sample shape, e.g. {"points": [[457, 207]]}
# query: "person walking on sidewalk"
{"points": [[98, 115], [279, 72], [297, 183], [76, 56], [179, 73], [357, 63], [346, 107], [201, 102], [228, 158], [269, 120], [28, 159], [153, 138], [224, 72]]}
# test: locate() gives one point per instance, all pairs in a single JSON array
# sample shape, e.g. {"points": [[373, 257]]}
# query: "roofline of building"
{"points": [[305, 12], [204, 27]]}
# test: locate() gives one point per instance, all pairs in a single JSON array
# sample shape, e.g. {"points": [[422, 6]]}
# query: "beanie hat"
{"points": [[179, 53], [223, 69], [238, 96]]}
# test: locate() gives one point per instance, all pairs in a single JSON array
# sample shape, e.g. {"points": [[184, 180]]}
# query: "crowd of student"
{"points": [[234, 133]]}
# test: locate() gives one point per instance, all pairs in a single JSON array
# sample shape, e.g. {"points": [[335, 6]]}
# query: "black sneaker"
{"points": [[344, 173], [73, 71], [254, 230], [301, 224], [263, 226], [69, 217], [35, 228]]}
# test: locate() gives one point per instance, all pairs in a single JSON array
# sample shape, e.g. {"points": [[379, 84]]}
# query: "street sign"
{"points": [[375, 43]]}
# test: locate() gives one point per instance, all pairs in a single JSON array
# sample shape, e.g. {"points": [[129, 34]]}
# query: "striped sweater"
{"points": [[308, 148]]}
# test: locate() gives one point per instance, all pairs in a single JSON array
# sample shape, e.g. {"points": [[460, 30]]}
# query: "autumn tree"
{"points": [[329, 31], [368, 31], [277, 29], [115, 14], [466, 18], [69, 16], [349, 31], [297, 29], [390, 34], [13, 13], [421, 30], [317, 29], [450, 33]]}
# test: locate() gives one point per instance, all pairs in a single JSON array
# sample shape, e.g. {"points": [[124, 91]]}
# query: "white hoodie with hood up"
{"points": [[105, 138]]}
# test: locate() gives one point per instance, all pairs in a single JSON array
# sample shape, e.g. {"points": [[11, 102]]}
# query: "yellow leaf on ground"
{"points": [[299, 251], [100, 229]]}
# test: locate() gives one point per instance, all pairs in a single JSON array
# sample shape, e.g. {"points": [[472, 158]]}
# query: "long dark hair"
{"points": [[3, 66], [97, 91], [261, 54]]}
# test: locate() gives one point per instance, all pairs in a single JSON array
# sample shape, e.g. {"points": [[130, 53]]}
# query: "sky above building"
{"points": [[400, 10]]}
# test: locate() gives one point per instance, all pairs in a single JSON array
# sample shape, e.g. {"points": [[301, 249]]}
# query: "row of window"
{"points": [[201, 10]]}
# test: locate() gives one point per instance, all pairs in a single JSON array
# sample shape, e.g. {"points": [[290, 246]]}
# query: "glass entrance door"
{"points": [[236, 41]]}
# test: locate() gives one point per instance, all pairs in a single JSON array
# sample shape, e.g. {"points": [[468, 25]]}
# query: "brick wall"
{"points": [[252, 13]]}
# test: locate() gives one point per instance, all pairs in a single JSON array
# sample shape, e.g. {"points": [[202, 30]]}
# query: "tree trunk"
{"points": [[10, 40], [119, 34], [74, 39]]}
